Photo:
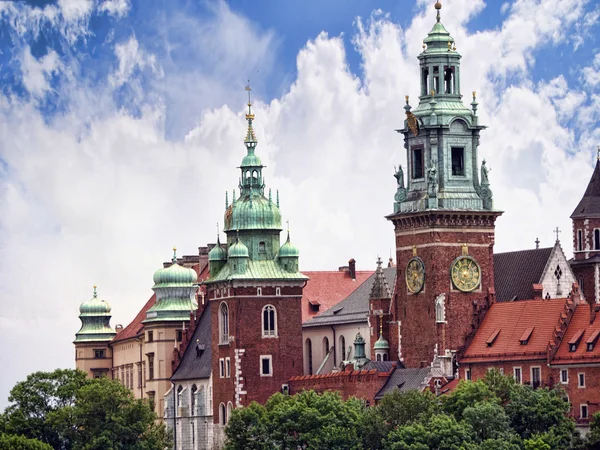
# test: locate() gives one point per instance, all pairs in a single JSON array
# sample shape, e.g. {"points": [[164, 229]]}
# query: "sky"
{"points": [[122, 121]]}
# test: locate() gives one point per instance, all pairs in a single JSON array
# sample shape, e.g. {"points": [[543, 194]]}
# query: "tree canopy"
{"points": [[493, 413], [68, 411]]}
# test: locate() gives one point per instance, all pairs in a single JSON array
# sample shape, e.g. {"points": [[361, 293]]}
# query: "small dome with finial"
{"points": [[438, 5], [238, 250], [175, 274], [218, 253], [381, 344], [289, 250], [94, 306]]}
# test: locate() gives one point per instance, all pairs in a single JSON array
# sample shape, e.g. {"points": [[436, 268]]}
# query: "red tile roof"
{"points": [[514, 319], [136, 326], [579, 322], [327, 288]]}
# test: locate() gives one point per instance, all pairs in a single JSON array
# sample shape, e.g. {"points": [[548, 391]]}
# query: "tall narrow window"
{"points": [[436, 79], [596, 239], [269, 321], [224, 324], [227, 367], [458, 161], [151, 366], [193, 400], [468, 374], [579, 240], [581, 283], [343, 347], [584, 410], [325, 346], [448, 80], [517, 374], [222, 414], [150, 336], [309, 356], [266, 366], [536, 377], [417, 163], [424, 81]]}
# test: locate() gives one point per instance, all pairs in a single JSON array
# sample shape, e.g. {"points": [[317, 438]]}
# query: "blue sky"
{"points": [[121, 124]]}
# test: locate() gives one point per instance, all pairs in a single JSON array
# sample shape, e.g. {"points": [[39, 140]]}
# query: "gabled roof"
{"points": [[355, 308], [405, 380], [327, 289], [579, 322], [383, 366], [196, 362], [515, 273], [589, 205], [514, 319]]}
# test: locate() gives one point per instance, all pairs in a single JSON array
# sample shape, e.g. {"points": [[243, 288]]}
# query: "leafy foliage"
{"points": [[13, 442], [70, 412]]}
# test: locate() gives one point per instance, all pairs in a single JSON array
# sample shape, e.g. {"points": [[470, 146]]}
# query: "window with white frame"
{"points": [[343, 348], [536, 377], [269, 321], [227, 367], [266, 366], [259, 291], [579, 240], [518, 375], [223, 323], [468, 374], [581, 380], [583, 411], [278, 291], [596, 239], [221, 367], [564, 376]]}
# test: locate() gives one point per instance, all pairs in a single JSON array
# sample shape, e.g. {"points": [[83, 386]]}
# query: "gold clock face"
{"points": [[465, 273], [415, 275]]}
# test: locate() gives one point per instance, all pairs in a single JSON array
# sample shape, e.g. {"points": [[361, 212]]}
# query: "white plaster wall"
{"points": [[550, 282]]}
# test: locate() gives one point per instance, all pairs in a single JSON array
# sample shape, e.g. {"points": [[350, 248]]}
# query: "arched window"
{"points": [[222, 414], [309, 356], [179, 390], [193, 402], [596, 239], [378, 356], [325, 346], [581, 283], [269, 321], [229, 409], [261, 247], [224, 323], [343, 348]]}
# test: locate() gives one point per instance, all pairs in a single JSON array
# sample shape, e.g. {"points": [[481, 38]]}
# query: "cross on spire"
{"points": [[598, 153], [537, 243], [557, 231]]}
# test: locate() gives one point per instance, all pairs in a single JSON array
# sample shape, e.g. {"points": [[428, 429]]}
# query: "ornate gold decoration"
{"points": [[413, 123], [465, 273], [228, 215], [415, 275], [465, 250], [414, 250]]}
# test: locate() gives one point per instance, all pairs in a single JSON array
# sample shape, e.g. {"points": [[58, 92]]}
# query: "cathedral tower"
{"points": [[443, 217], [586, 239], [255, 290]]}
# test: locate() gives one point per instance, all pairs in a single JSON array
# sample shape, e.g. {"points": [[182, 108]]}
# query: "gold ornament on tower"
{"points": [[415, 275], [465, 272]]}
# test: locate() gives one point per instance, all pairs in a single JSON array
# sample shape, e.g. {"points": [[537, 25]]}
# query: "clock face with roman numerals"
{"points": [[415, 275], [465, 274]]}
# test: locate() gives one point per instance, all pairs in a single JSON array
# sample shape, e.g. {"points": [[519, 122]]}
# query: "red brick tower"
{"points": [[444, 217], [255, 290], [586, 239]]}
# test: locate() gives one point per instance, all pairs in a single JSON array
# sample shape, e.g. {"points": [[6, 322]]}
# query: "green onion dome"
{"points": [[218, 253], [288, 249], [381, 344], [252, 211], [238, 250], [94, 306], [251, 160], [175, 274]]}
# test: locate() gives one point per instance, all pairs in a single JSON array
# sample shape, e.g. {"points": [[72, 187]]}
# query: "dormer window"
{"points": [[574, 342], [200, 350], [591, 342], [526, 335], [493, 338]]}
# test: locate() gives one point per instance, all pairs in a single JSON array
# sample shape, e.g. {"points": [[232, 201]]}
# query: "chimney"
{"points": [[352, 268], [119, 328], [576, 294], [593, 310], [538, 290]]}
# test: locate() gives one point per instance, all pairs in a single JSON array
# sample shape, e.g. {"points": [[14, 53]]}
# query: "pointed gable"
{"points": [[589, 206], [380, 287]]}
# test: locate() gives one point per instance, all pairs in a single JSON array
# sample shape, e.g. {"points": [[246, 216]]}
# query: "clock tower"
{"points": [[443, 217]]}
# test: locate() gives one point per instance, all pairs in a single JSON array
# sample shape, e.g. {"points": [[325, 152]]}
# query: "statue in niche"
{"points": [[401, 190], [432, 179], [484, 191]]}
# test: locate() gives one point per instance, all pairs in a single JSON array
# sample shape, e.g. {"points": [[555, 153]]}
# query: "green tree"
{"points": [[106, 416], [305, 419], [402, 408], [488, 421], [13, 442], [466, 394], [503, 386], [441, 431], [34, 399]]}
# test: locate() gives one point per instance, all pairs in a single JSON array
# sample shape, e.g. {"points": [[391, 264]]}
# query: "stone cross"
{"points": [[557, 231]]}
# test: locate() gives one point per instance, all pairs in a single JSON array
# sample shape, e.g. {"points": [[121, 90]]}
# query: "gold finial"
{"points": [[414, 250], [95, 294], [174, 254], [474, 95], [432, 93], [438, 6], [465, 250], [454, 48], [406, 98], [449, 45], [381, 324], [249, 116], [424, 46]]}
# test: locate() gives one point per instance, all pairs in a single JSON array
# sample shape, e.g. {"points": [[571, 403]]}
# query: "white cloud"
{"points": [[117, 8], [100, 195], [36, 73], [591, 74]]}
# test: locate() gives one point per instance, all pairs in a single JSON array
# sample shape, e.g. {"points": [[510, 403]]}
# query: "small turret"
{"points": [[288, 256], [217, 258], [360, 358], [238, 256], [95, 321]]}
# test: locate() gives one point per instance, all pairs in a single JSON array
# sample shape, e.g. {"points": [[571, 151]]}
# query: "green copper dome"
{"points": [[238, 250], [288, 249], [218, 253], [251, 160], [252, 212], [381, 344], [175, 274], [94, 306], [95, 321]]}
